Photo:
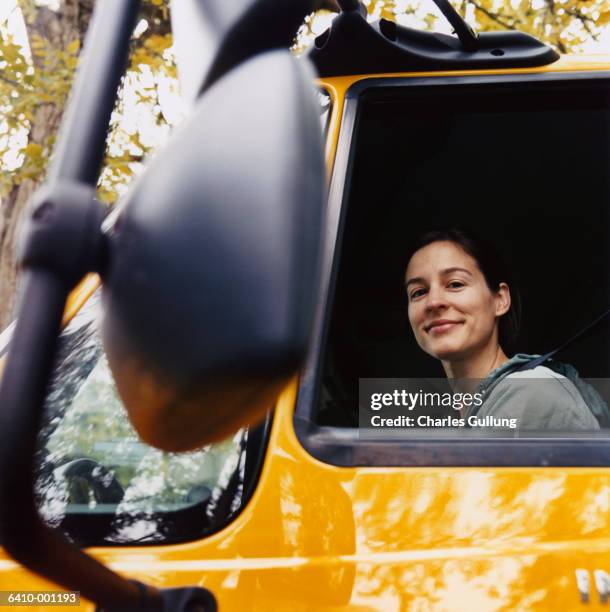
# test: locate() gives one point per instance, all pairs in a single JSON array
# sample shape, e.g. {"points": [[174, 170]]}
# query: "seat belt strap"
{"points": [[534, 363]]}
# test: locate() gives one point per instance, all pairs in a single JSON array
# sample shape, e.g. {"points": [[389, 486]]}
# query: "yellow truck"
{"points": [[242, 302]]}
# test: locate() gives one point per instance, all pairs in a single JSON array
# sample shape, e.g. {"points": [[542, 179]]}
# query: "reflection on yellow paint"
{"points": [[318, 537]]}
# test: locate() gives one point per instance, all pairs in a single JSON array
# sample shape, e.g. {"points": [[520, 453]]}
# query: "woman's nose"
{"points": [[435, 299]]}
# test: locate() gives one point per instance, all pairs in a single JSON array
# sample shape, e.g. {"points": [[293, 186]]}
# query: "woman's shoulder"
{"points": [[542, 372], [541, 399]]}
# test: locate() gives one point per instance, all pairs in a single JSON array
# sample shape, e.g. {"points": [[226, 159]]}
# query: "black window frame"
{"points": [[341, 446]]}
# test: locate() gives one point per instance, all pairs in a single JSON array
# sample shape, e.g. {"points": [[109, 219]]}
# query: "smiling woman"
{"points": [[458, 301], [461, 312]]}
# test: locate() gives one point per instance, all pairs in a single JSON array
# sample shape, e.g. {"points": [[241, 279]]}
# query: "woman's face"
{"points": [[453, 313]]}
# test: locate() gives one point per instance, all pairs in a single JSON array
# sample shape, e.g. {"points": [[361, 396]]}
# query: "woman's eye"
{"points": [[455, 284], [417, 293]]}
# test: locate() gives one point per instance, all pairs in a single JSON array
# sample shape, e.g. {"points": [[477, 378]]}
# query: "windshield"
{"points": [[101, 484]]}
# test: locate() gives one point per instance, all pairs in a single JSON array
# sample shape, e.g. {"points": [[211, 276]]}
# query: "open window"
{"points": [[520, 160], [100, 484]]}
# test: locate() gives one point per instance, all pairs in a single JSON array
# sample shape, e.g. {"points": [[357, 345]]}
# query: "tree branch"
{"points": [[586, 21], [9, 81], [499, 19]]}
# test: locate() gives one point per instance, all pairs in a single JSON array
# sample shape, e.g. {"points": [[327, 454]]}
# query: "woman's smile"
{"points": [[441, 326]]}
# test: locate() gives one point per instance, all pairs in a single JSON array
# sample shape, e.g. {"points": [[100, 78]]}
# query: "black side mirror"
{"points": [[210, 274], [213, 264]]}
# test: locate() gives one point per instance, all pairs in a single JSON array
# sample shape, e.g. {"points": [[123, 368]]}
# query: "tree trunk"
{"points": [[58, 30]]}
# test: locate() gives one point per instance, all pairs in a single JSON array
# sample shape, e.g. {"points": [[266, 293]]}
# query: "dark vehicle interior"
{"points": [[524, 165]]}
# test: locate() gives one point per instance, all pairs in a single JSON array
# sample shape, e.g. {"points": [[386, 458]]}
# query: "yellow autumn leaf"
{"points": [[604, 18], [158, 43], [73, 47], [37, 42], [33, 150], [11, 53]]}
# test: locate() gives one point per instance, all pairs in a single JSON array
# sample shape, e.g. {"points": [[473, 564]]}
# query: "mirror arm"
{"points": [[265, 25], [63, 243], [64, 205], [466, 35]]}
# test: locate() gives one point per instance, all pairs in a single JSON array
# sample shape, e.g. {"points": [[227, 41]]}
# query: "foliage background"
{"points": [[37, 68]]}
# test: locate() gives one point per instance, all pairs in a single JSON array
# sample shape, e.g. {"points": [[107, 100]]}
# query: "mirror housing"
{"points": [[212, 273], [211, 37]]}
